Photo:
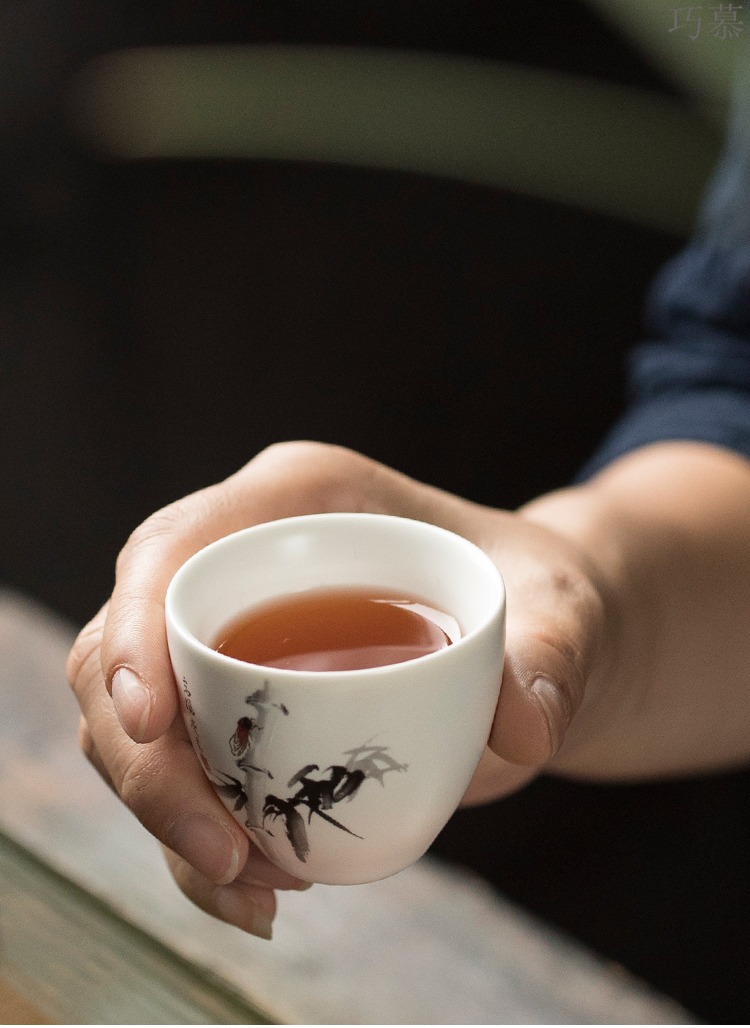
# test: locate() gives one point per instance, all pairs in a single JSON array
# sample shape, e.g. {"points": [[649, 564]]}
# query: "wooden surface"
{"points": [[16, 1009], [428, 946], [82, 963]]}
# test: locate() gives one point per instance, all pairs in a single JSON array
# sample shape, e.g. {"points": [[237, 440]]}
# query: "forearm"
{"points": [[668, 527]]}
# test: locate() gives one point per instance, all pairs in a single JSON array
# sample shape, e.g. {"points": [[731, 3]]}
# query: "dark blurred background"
{"points": [[162, 320]]}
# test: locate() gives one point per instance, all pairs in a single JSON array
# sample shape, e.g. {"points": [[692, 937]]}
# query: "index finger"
{"points": [[134, 655], [282, 481]]}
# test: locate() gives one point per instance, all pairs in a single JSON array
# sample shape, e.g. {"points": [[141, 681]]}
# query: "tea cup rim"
{"points": [[278, 525]]}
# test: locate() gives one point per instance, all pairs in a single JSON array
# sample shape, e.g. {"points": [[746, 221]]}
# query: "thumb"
{"points": [[547, 668]]}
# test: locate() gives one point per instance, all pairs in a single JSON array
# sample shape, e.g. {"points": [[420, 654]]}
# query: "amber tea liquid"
{"points": [[341, 629]]}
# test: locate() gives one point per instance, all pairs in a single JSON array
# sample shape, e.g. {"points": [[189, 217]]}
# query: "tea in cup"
{"points": [[339, 675]]}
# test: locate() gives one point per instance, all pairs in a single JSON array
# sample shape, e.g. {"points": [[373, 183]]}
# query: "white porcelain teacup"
{"points": [[339, 777]]}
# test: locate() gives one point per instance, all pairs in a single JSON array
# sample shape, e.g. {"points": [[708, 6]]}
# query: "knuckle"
{"points": [[83, 659], [573, 627], [325, 472], [294, 451], [579, 592], [134, 784], [85, 646], [79, 654], [568, 655], [91, 753], [86, 741], [150, 532], [306, 457]]}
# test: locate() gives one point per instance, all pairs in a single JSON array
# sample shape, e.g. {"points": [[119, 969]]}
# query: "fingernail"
{"points": [[207, 845], [259, 870], [286, 884], [233, 905], [556, 710], [132, 700]]}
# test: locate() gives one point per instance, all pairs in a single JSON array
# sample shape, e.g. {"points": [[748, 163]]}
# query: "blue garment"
{"points": [[691, 379]]}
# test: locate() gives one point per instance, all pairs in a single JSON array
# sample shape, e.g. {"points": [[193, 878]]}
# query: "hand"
{"points": [[558, 635]]}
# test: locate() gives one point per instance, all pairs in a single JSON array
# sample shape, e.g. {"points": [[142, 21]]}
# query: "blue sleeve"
{"points": [[691, 379]]}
